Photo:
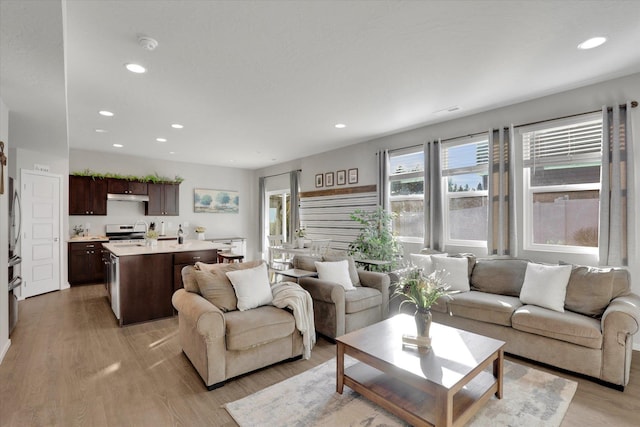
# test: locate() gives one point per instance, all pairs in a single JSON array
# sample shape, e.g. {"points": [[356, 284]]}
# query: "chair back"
{"points": [[319, 246], [275, 239]]}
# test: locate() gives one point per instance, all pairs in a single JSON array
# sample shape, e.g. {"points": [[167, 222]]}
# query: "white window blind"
{"points": [[562, 145], [466, 156]]}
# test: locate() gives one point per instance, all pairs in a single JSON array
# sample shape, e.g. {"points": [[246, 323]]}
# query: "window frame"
{"points": [[529, 191], [407, 197], [447, 196]]}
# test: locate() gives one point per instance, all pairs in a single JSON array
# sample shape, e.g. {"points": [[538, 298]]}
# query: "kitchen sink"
{"points": [[128, 245]]}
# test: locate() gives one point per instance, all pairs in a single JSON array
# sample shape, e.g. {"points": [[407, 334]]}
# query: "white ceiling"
{"points": [[262, 82]]}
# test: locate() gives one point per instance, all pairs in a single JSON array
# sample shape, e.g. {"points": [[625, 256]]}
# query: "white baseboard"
{"points": [[4, 350]]}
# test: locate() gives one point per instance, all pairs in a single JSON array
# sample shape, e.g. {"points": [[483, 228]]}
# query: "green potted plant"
{"points": [[376, 241]]}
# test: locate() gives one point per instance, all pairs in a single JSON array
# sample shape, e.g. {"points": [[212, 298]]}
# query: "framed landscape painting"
{"points": [[215, 201]]}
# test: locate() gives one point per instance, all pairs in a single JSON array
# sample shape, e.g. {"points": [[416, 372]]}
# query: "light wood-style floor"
{"points": [[69, 364]]}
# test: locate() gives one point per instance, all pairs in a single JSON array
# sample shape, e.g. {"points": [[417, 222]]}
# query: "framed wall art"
{"points": [[215, 201], [353, 176], [341, 177], [319, 180], [328, 179]]}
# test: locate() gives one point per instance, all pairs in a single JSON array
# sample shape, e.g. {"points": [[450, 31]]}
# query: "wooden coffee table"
{"points": [[443, 386]]}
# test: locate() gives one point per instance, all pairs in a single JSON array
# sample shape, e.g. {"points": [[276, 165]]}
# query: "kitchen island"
{"points": [[142, 278]]}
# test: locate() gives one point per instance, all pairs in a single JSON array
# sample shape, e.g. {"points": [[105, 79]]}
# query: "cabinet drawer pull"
{"points": [[91, 246], [196, 257]]}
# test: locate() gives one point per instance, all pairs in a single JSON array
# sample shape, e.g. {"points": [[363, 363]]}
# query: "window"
{"points": [[561, 180], [279, 213], [465, 178], [406, 194]]}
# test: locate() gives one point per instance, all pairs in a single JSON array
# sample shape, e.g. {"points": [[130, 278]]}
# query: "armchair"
{"points": [[337, 311]]}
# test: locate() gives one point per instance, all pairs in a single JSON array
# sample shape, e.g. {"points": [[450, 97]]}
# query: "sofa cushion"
{"points": [[361, 298], [499, 276], [456, 272], [423, 262], [252, 287], [353, 270], [215, 287], [251, 328], [306, 262], [545, 285], [569, 327], [337, 272], [590, 290], [485, 307]]}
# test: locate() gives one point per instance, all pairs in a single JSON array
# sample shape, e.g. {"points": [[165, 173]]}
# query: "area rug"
{"points": [[531, 398]]}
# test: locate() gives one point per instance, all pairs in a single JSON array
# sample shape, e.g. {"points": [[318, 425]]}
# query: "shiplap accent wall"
{"points": [[326, 214]]}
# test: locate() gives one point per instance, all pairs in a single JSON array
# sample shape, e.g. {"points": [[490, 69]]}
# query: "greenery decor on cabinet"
{"points": [[151, 178], [376, 241]]}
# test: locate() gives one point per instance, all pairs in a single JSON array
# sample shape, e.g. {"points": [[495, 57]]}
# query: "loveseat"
{"points": [[221, 341], [338, 310], [588, 329]]}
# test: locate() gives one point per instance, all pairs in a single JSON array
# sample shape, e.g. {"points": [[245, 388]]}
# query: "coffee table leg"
{"points": [[498, 370], [340, 367]]}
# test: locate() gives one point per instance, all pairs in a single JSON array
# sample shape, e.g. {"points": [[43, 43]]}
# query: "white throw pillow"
{"points": [[252, 287], [337, 272], [545, 285], [456, 272], [424, 262]]}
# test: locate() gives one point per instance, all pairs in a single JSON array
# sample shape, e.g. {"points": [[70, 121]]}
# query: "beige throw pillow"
{"points": [[216, 288], [589, 290]]}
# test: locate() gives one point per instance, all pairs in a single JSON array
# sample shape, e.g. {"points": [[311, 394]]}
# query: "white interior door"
{"points": [[41, 232]]}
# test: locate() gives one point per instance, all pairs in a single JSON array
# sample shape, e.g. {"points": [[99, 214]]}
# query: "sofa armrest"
{"points": [[379, 281], [206, 317], [623, 314], [323, 290]]}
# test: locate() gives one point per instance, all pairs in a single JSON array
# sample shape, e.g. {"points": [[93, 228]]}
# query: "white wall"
{"points": [[589, 98], [243, 224], [4, 238]]}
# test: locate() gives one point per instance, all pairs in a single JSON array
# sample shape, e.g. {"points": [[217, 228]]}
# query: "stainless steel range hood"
{"points": [[128, 197]]}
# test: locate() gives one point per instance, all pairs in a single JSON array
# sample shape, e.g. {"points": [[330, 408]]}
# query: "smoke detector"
{"points": [[147, 43]]}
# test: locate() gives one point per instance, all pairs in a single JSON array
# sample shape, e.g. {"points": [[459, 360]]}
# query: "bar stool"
{"points": [[229, 257]]}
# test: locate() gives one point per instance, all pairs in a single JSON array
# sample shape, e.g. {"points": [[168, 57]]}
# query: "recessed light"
{"points": [[172, 152], [177, 126], [161, 139], [592, 42], [101, 131], [136, 68], [118, 145], [340, 126], [105, 113]]}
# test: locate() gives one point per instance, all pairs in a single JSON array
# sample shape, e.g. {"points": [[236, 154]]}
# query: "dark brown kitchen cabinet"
{"points": [[85, 263], [87, 195], [164, 199], [123, 186], [182, 259]]}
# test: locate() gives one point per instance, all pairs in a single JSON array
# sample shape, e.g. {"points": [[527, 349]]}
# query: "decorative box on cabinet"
{"points": [[164, 199], [87, 195]]}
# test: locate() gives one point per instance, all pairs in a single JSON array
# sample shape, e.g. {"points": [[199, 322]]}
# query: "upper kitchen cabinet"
{"points": [[164, 199], [87, 195], [123, 186]]}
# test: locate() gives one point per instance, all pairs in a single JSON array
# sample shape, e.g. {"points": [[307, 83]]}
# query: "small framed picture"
{"points": [[328, 179], [341, 177], [318, 180], [353, 176]]}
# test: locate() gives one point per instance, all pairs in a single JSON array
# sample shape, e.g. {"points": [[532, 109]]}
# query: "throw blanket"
{"points": [[291, 295]]}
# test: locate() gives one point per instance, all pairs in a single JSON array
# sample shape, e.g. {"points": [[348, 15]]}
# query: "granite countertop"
{"points": [[89, 239], [163, 247]]}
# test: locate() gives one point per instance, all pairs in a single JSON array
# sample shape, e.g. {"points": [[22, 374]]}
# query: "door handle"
{"points": [[55, 239]]}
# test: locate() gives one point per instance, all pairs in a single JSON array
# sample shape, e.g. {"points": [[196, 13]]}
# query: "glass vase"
{"points": [[423, 322]]}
